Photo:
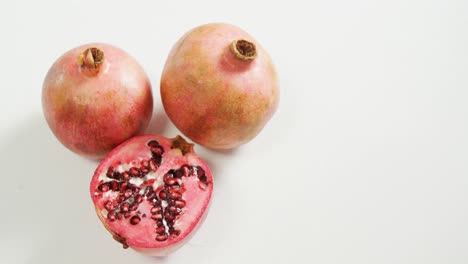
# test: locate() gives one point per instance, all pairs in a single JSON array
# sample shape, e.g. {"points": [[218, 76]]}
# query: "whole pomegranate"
{"points": [[94, 97], [219, 86], [151, 193]]}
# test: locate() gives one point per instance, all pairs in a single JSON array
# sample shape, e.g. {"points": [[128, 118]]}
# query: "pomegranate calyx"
{"points": [[180, 143], [91, 59], [243, 49]]}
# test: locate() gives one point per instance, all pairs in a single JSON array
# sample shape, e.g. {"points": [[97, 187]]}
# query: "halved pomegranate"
{"points": [[151, 193]]}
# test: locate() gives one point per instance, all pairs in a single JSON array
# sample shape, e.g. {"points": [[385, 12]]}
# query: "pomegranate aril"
{"points": [[135, 220], [133, 207], [160, 230], [157, 217], [174, 232], [153, 164], [120, 198], [114, 186], [163, 194], [138, 198], [172, 209], [157, 151], [168, 216], [201, 174], [125, 207], [144, 170], [180, 203], [134, 172], [128, 193], [123, 186], [186, 170], [156, 210], [168, 180], [119, 216], [104, 187], [109, 206], [110, 172], [111, 216], [125, 176], [153, 143], [114, 175], [161, 238], [175, 195], [127, 215]]}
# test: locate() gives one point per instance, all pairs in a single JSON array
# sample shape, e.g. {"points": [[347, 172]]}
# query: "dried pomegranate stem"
{"points": [[91, 60], [243, 49]]}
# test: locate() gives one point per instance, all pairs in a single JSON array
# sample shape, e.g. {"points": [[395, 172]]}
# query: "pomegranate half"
{"points": [[219, 86], [94, 97], [151, 193]]}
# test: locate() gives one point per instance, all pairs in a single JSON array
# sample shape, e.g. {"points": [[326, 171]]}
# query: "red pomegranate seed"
{"points": [[135, 172], [168, 180], [104, 187], [110, 172], [153, 143], [128, 193], [109, 206], [111, 216], [153, 164], [127, 215], [180, 203], [123, 186], [138, 198], [125, 176], [133, 207], [156, 210], [175, 195], [119, 216], [135, 220], [114, 186], [124, 207], [172, 209], [158, 150], [157, 217], [169, 216], [161, 238], [174, 232], [160, 230], [163, 194], [121, 198], [186, 170]]}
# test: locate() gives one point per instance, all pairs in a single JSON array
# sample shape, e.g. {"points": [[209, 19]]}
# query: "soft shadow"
{"points": [[159, 123], [48, 216]]}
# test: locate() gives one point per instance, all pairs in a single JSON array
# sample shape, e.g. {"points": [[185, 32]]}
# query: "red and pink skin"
{"points": [[141, 237], [91, 108], [214, 94]]}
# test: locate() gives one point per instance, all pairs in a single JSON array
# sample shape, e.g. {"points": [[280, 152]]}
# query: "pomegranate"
{"points": [[94, 97], [151, 193], [219, 86]]}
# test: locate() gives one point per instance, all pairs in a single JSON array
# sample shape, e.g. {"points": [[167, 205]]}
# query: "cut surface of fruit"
{"points": [[151, 193]]}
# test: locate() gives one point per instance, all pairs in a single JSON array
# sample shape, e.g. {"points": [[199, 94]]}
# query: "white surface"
{"points": [[366, 160]]}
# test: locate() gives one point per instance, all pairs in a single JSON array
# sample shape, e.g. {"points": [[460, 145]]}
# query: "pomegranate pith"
{"points": [[152, 192]]}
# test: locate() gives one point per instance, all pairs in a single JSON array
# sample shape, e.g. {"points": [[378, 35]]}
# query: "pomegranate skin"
{"points": [[93, 109], [214, 97]]}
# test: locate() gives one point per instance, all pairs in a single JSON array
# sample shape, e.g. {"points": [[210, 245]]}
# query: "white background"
{"points": [[365, 161]]}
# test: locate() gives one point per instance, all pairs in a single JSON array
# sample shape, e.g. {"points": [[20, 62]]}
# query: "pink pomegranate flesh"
{"points": [[94, 97], [219, 86], [151, 193]]}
